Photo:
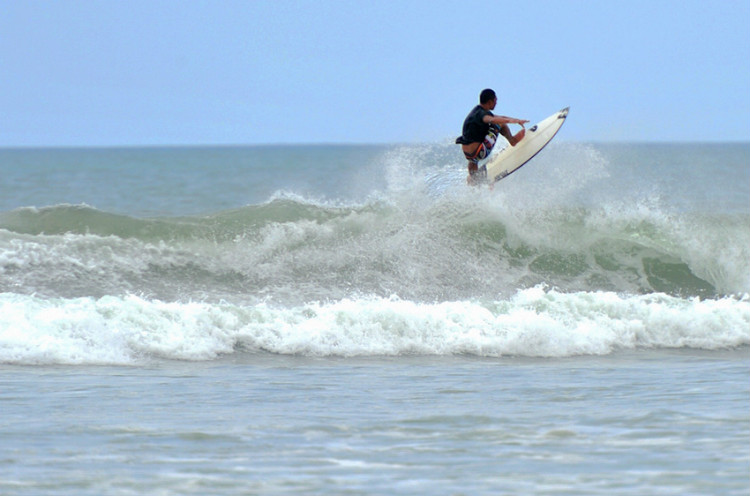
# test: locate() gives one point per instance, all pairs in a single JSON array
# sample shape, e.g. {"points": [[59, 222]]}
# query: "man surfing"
{"points": [[480, 132]]}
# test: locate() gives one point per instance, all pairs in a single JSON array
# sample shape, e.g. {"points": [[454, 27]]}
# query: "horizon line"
{"points": [[351, 144]]}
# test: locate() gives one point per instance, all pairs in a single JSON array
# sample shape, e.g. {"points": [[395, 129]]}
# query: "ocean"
{"points": [[356, 320]]}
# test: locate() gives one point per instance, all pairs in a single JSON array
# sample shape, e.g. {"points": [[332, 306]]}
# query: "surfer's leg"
{"points": [[505, 131], [513, 140], [476, 175], [471, 179]]}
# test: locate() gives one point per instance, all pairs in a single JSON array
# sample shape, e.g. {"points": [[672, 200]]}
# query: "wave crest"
{"points": [[445, 249]]}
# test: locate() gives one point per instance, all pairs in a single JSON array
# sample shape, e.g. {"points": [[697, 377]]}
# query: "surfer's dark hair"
{"points": [[486, 95]]}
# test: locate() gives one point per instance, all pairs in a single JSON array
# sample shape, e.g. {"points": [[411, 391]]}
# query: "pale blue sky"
{"points": [[144, 72]]}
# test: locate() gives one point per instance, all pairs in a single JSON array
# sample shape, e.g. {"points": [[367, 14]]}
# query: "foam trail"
{"points": [[536, 322]]}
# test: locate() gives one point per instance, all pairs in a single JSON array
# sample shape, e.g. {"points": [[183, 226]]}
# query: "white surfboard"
{"points": [[511, 158]]}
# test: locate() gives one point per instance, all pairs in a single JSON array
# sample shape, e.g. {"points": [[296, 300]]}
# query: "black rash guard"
{"points": [[475, 129]]}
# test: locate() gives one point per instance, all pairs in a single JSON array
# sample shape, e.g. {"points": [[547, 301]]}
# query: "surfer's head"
{"points": [[486, 96]]}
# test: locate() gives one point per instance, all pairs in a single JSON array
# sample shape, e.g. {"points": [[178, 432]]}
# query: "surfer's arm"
{"points": [[501, 119], [503, 122]]}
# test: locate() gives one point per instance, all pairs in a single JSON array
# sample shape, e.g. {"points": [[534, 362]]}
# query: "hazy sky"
{"points": [[139, 72]]}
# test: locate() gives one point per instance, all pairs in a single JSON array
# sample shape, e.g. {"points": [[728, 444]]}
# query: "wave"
{"points": [[536, 322], [425, 249], [555, 265]]}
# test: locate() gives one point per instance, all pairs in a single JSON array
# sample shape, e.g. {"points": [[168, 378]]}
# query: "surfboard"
{"points": [[512, 158]]}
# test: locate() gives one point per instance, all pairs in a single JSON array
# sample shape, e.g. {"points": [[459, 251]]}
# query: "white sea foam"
{"points": [[536, 322]]}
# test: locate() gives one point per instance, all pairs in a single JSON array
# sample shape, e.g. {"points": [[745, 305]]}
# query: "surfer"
{"points": [[480, 132]]}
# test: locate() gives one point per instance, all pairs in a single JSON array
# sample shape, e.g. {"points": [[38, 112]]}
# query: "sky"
{"points": [[192, 72]]}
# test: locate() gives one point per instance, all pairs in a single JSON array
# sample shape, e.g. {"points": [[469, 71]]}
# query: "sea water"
{"points": [[356, 320]]}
